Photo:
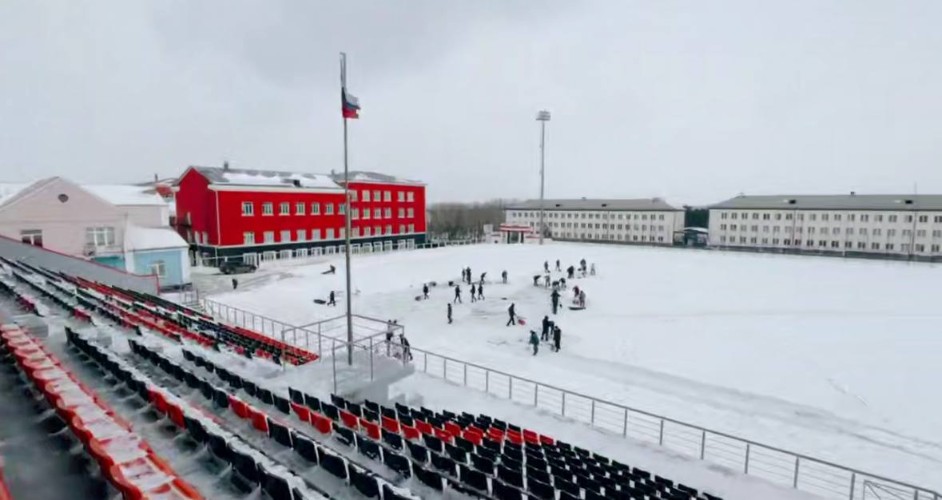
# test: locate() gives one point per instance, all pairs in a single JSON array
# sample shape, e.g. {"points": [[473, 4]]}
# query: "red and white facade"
{"points": [[225, 212]]}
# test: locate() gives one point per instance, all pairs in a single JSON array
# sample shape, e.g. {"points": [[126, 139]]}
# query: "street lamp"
{"points": [[542, 117]]}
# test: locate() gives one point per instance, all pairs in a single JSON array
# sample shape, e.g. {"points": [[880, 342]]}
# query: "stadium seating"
{"points": [[134, 310], [174, 320], [360, 478], [126, 460], [475, 453], [251, 468]]}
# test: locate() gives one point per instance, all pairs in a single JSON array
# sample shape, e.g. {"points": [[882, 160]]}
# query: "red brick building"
{"points": [[227, 212]]}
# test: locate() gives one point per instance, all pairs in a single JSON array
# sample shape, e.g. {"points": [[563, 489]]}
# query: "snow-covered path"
{"points": [[828, 357]]}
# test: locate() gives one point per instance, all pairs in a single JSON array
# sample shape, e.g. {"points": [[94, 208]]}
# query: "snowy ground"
{"points": [[833, 358]]}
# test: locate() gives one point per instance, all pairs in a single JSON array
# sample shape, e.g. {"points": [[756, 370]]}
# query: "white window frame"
{"points": [[299, 208], [284, 208], [248, 209], [410, 196], [315, 208], [248, 238], [301, 235], [268, 208], [282, 234], [100, 236], [159, 268], [268, 237], [329, 210]]}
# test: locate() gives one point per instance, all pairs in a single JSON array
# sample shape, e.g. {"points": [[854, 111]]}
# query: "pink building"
{"points": [[119, 226]]}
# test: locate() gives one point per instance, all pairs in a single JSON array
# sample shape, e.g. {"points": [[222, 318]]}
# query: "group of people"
{"points": [[477, 290], [477, 293], [466, 276], [550, 331], [579, 297], [391, 326]]}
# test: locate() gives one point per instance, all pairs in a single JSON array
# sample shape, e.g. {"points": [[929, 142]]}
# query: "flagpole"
{"points": [[346, 210]]}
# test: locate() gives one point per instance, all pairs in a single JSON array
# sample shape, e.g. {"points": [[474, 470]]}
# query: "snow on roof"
{"points": [[152, 238], [10, 189], [122, 194], [246, 177], [365, 176], [594, 204], [850, 201]]}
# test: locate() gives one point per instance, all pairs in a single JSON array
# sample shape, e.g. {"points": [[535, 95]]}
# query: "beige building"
{"points": [[887, 225], [645, 221]]}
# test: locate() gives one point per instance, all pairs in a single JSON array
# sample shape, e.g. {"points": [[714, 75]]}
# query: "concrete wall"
{"points": [[13, 249]]}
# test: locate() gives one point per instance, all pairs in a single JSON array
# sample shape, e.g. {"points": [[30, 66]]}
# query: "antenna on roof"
{"points": [[155, 178]]}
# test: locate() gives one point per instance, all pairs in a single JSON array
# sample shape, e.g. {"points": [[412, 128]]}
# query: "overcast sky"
{"points": [[689, 100]]}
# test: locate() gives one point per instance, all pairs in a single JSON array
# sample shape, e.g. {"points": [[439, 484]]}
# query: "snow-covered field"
{"points": [[837, 359]]}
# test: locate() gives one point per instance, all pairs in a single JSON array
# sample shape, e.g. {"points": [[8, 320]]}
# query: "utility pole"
{"points": [[542, 117]]}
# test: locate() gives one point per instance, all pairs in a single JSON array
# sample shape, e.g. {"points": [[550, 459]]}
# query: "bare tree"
{"points": [[455, 221]]}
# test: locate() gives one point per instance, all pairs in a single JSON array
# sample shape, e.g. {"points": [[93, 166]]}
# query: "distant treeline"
{"points": [[457, 221]]}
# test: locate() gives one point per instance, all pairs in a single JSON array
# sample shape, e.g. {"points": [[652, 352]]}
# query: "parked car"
{"points": [[236, 267]]}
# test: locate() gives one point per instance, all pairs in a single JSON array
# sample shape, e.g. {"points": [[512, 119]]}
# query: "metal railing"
{"points": [[776, 465], [773, 464], [322, 336]]}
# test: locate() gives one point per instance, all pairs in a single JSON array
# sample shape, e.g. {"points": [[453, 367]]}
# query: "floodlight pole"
{"points": [[542, 117]]}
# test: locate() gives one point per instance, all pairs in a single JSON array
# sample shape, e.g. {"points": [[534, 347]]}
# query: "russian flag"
{"points": [[349, 104]]}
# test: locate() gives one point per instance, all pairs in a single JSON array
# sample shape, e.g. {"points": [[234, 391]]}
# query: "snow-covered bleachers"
{"points": [[450, 452], [125, 459], [275, 428]]}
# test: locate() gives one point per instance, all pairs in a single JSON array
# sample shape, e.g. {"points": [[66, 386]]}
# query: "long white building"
{"points": [[644, 221], [853, 224]]}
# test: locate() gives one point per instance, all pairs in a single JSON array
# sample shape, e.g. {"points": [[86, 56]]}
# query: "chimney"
{"points": [[852, 193], [225, 165]]}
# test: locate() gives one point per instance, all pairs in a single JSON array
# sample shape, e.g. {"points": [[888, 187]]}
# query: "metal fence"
{"points": [[776, 465], [773, 464], [322, 336]]}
